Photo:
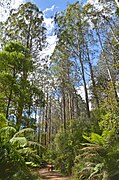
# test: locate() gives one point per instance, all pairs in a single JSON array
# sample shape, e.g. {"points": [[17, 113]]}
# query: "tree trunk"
{"points": [[107, 66], [46, 119], [64, 109], [8, 105], [50, 119], [85, 88], [92, 77]]}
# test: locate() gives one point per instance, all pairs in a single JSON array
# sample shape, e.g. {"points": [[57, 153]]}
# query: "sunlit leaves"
{"points": [[27, 22]]}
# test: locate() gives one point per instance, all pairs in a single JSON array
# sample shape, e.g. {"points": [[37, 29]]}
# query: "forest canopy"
{"points": [[43, 115]]}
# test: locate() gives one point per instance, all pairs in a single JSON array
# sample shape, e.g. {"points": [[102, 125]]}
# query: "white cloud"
{"points": [[82, 94], [92, 1], [96, 3], [49, 9], [50, 48], [52, 43], [51, 38], [15, 3], [99, 4], [49, 25], [4, 11]]}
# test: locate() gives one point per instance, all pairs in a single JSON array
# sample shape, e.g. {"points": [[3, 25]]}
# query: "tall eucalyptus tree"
{"points": [[16, 64], [25, 24], [70, 32], [104, 23], [66, 73]]}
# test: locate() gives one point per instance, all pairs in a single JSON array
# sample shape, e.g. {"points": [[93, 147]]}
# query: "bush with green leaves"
{"points": [[3, 121], [98, 159], [99, 156], [65, 147], [13, 163]]}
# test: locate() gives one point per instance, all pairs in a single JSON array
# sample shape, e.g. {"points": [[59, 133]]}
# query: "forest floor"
{"points": [[52, 175]]}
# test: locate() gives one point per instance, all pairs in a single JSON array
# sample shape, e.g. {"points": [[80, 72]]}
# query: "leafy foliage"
{"points": [[13, 154], [3, 121], [65, 147], [27, 21], [79, 139], [98, 159]]}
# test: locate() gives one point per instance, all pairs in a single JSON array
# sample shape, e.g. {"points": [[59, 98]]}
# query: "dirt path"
{"points": [[54, 175]]}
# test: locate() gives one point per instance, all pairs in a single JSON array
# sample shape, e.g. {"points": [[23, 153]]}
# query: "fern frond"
{"points": [[6, 134], [97, 169], [24, 132], [92, 148], [8, 130], [3, 120], [27, 150], [94, 139], [85, 154], [30, 156], [34, 144], [86, 169], [98, 176], [89, 164], [19, 142], [32, 164]]}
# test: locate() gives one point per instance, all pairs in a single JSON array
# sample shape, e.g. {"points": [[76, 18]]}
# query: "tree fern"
{"points": [[98, 159], [19, 142], [94, 138], [97, 170], [22, 142], [27, 132], [30, 156], [34, 144], [3, 121], [6, 133]]}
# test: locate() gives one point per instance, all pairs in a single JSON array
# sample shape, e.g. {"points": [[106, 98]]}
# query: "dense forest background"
{"points": [[43, 116]]}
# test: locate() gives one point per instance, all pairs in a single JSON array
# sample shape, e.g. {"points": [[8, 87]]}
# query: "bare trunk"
{"points": [[50, 119], [46, 119], [85, 88], [10, 96], [64, 109], [92, 77], [19, 117], [77, 106], [8, 105], [107, 66]]}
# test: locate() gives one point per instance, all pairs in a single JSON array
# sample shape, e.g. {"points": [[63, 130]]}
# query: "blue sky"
{"points": [[49, 8], [59, 4]]}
